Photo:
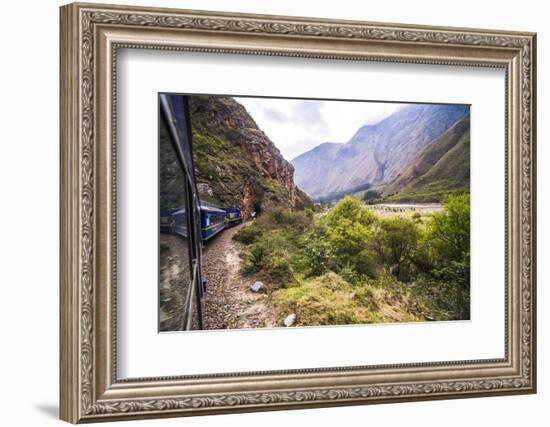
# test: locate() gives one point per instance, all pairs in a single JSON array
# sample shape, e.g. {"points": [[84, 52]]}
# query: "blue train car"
{"points": [[179, 214], [166, 220], [174, 221], [183, 214], [212, 221], [179, 221], [233, 216]]}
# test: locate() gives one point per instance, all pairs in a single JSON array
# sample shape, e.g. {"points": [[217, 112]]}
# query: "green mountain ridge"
{"points": [[377, 153], [441, 168]]}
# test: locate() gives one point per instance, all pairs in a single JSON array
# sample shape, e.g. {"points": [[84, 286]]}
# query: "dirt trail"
{"points": [[228, 302]]}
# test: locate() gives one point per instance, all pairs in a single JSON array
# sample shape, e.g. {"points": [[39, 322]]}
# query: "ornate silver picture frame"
{"points": [[91, 37]]}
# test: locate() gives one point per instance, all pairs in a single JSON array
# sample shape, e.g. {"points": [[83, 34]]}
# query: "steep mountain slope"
{"points": [[442, 167], [235, 162], [376, 154]]}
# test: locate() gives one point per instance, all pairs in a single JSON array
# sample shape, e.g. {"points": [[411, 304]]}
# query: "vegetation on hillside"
{"points": [[349, 265], [440, 169], [236, 164]]}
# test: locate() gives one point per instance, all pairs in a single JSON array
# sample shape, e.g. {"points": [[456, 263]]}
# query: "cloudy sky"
{"points": [[297, 126]]}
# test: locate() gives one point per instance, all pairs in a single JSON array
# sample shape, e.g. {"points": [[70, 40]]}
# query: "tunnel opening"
{"points": [[258, 209]]}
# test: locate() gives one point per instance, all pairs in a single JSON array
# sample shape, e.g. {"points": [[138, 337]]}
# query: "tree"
{"points": [[396, 240], [350, 231], [449, 230], [350, 209], [448, 239]]}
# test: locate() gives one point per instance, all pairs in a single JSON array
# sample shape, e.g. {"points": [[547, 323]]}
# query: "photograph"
{"points": [[281, 212], [267, 211]]}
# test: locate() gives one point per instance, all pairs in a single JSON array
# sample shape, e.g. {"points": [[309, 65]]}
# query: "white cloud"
{"points": [[296, 126]]}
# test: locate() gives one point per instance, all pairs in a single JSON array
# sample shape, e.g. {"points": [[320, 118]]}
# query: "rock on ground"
{"points": [[256, 286], [289, 320]]}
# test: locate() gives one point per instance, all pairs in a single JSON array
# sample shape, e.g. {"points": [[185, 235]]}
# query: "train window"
{"points": [[175, 259]]}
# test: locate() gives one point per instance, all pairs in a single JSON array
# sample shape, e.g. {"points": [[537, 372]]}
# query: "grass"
{"points": [[330, 300], [431, 192]]}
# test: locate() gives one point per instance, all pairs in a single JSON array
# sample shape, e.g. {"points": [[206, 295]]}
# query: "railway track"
{"points": [[228, 301]]}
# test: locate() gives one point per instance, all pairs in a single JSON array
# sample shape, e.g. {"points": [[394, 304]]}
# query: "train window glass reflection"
{"points": [[175, 265]]}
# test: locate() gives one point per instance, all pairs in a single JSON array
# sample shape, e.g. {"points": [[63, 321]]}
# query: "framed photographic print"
{"points": [[266, 212]]}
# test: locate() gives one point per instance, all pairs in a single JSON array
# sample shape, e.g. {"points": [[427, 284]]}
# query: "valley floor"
{"points": [[406, 210]]}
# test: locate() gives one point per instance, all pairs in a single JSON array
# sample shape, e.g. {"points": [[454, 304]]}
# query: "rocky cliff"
{"points": [[376, 154], [235, 162]]}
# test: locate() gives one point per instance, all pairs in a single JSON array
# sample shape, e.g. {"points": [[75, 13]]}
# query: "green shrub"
{"points": [[350, 232], [445, 300], [296, 220], [396, 240], [277, 219], [278, 216], [456, 299], [342, 241], [448, 246], [248, 235], [316, 254], [258, 254], [349, 275], [278, 269], [349, 209], [366, 264], [449, 230]]}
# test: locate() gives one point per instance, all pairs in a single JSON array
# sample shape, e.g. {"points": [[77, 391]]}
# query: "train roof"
{"points": [[179, 210]]}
